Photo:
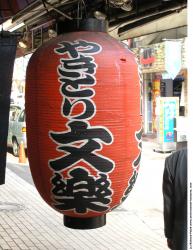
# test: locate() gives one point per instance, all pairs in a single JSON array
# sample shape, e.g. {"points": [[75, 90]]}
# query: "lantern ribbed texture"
{"points": [[83, 122]]}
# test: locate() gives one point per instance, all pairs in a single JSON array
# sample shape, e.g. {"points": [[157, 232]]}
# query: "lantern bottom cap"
{"points": [[84, 223]]}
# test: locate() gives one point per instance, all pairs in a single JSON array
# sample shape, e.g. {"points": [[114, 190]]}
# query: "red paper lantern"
{"points": [[83, 125]]}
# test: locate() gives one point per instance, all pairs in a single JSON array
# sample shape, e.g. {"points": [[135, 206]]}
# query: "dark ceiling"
{"points": [[117, 11], [9, 8], [122, 15]]}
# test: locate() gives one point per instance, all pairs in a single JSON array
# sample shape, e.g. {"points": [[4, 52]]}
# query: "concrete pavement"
{"points": [[27, 222]]}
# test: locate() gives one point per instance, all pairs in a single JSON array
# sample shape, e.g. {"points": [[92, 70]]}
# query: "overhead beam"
{"points": [[145, 10], [176, 33], [153, 25]]}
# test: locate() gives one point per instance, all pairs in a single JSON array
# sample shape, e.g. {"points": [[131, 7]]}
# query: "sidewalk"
{"points": [[27, 222]]}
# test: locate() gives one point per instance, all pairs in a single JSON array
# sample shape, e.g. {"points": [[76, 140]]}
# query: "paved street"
{"points": [[27, 222]]}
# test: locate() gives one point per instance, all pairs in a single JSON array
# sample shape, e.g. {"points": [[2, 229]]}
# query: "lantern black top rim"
{"points": [[87, 24]]}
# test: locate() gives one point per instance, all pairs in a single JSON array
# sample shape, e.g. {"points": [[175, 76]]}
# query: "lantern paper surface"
{"points": [[83, 122]]}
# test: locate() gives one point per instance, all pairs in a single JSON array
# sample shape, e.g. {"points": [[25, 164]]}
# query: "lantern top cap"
{"points": [[88, 24], [93, 24]]}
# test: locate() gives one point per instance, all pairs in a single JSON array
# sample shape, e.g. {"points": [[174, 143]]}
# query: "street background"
{"points": [[27, 222]]}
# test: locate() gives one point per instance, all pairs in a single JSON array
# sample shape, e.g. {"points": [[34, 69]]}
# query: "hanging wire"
{"points": [[107, 6], [85, 8], [44, 4], [81, 5], [78, 9]]}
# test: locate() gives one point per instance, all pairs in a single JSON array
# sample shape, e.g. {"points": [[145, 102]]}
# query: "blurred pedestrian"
{"points": [[175, 200]]}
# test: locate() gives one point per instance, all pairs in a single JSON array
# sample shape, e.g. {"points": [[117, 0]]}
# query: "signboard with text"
{"points": [[167, 109], [169, 113]]}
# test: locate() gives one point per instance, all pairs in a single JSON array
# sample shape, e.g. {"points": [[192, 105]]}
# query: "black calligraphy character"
{"points": [[81, 191], [68, 91], [88, 112], [138, 137], [78, 47], [86, 151], [75, 68], [72, 88], [76, 83], [136, 162], [59, 185], [131, 184], [82, 64]]}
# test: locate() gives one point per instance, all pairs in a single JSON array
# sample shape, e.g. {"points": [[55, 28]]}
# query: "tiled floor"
{"points": [[27, 222]]}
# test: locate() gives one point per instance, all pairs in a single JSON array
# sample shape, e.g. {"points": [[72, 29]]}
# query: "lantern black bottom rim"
{"points": [[84, 223]]}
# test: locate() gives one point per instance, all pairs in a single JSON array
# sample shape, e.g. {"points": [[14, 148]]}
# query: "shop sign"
{"points": [[173, 58], [147, 57], [167, 110], [169, 115]]}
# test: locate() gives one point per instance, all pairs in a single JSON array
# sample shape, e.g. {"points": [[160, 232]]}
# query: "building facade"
{"points": [[164, 69]]}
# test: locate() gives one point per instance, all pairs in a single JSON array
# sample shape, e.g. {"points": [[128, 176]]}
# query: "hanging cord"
{"points": [[43, 2], [58, 11], [83, 2], [80, 7], [78, 14], [107, 9]]}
